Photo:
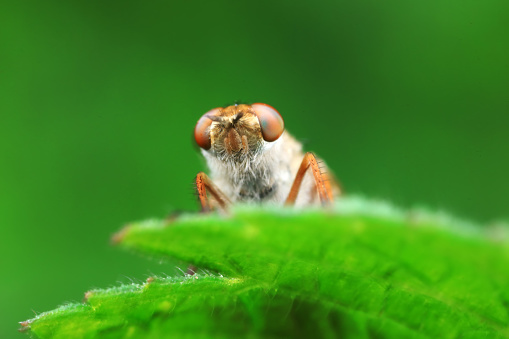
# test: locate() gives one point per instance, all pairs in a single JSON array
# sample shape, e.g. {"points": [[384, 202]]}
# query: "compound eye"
{"points": [[202, 129], [271, 122]]}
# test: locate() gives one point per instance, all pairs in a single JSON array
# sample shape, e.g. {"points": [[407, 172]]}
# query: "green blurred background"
{"points": [[405, 100]]}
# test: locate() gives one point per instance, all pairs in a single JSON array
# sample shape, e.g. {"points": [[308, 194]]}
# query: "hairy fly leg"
{"points": [[203, 186], [322, 184]]}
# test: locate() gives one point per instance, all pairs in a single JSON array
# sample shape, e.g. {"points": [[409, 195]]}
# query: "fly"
{"points": [[252, 159]]}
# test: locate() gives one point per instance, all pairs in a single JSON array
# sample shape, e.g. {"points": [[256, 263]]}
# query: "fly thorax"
{"points": [[248, 178]]}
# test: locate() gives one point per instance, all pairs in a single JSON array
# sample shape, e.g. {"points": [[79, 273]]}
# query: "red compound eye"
{"points": [[202, 129], [271, 122]]}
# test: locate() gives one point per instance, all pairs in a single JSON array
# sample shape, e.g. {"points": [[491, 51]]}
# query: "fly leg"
{"points": [[322, 184], [203, 186]]}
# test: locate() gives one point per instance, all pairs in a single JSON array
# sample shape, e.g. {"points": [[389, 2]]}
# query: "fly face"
{"points": [[238, 131]]}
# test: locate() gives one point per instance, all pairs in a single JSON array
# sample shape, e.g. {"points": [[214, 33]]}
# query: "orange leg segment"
{"points": [[203, 186], [323, 186]]}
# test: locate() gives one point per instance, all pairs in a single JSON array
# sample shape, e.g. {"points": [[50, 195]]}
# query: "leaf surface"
{"points": [[361, 270]]}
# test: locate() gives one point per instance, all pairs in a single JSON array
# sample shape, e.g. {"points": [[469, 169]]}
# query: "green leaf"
{"points": [[364, 269]]}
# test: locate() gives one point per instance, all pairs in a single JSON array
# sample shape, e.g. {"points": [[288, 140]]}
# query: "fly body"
{"points": [[253, 159]]}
